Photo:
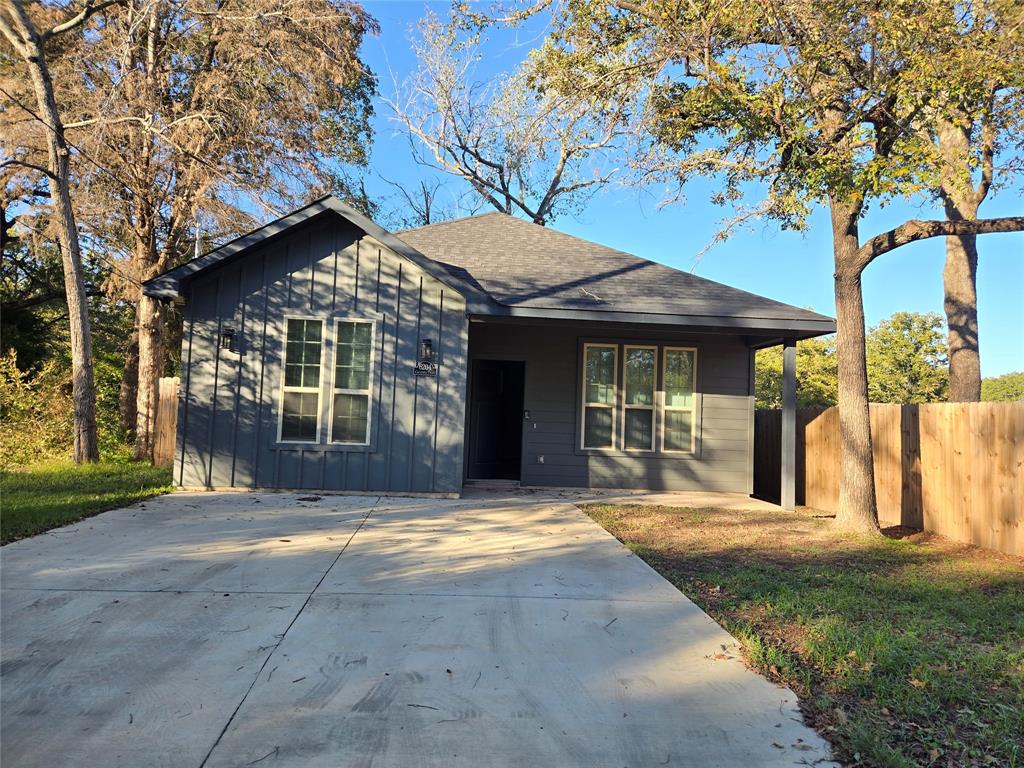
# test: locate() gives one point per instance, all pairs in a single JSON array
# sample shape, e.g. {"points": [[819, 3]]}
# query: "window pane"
{"points": [[600, 375], [350, 417], [352, 370], [304, 330], [302, 354], [597, 427], [639, 429], [300, 413], [639, 376], [679, 378], [678, 430]]}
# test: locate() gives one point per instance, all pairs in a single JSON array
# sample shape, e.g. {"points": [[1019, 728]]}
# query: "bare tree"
{"points": [[30, 45], [522, 149], [427, 201]]}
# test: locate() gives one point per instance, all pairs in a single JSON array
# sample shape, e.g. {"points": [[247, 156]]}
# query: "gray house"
{"points": [[322, 352]]}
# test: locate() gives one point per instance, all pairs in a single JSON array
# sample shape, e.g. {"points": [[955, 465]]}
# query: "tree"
{"points": [[187, 116], [800, 100], [1009, 386], [906, 359], [30, 45], [521, 148], [981, 50]]}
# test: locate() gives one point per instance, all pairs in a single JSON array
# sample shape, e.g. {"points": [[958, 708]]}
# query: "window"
{"points": [[638, 368], [300, 400], [353, 378], [599, 367], [678, 376]]}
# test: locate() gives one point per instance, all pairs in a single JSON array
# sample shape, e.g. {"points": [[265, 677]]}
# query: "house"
{"points": [[323, 352]]}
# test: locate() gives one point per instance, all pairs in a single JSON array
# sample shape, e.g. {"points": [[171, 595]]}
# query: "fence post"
{"points": [[166, 422]]}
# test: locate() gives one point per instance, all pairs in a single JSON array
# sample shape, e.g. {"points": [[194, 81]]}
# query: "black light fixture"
{"points": [[426, 350], [227, 339]]}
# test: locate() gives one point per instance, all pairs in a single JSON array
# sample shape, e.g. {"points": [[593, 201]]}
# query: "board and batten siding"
{"points": [[229, 403], [723, 460]]}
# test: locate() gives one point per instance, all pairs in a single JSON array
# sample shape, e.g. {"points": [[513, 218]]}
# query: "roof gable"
{"points": [[169, 285]]}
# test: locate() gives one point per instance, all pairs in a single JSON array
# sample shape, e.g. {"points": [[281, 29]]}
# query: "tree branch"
{"points": [[33, 166], [915, 229], [86, 13]]}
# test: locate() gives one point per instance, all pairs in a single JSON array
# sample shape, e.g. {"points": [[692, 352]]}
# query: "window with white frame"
{"points": [[599, 395], [638, 383], [656, 408], [353, 379], [300, 396], [678, 432]]}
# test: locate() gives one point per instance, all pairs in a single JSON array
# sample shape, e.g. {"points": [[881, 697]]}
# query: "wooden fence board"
{"points": [[955, 469], [166, 422]]}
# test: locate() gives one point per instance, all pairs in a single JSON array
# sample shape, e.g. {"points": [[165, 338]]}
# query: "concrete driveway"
{"points": [[246, 629]]}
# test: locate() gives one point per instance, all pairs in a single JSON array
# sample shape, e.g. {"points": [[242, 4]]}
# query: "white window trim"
{"points": [[666, 408], [653, 407], [283, 388], [583, 398], [336, 321]]}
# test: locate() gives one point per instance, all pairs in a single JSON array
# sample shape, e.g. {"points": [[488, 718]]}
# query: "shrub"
{"points": [[36, 412]]}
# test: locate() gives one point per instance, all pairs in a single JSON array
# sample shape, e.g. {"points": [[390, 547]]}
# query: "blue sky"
{"points": [[792, 267]]}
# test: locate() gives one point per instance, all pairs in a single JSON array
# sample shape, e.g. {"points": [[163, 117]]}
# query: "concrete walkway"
{"points": [[242, 629]]}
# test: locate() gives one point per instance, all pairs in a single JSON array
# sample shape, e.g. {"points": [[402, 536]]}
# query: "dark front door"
{"points": [[495, 419]]}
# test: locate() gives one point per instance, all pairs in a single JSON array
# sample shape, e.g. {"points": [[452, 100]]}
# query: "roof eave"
{"points": [[796, 327]]}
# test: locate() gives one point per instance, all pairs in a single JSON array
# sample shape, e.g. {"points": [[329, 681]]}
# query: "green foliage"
{"points": [[906, 357], [37, 361], [1009, 386], [816, 377], [58, 492], [36, 413]]}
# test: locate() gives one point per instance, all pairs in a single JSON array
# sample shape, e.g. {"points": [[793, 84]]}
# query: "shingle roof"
{"points": [[524, 265]]}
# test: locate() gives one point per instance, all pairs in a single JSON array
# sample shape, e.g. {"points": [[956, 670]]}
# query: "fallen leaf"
{"points": [[917, 683]]}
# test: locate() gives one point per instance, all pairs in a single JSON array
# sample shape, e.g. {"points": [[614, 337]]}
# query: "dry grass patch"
{"points": [[905, 650]]}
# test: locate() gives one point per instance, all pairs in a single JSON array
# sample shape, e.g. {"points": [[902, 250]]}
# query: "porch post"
{"points": [[788, 454]]}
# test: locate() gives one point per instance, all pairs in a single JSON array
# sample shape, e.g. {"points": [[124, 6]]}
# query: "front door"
{"points": [[495, 419]]}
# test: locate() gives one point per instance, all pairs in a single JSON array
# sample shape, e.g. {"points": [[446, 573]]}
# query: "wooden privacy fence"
{"points": [[166, 422], [955, 469]]}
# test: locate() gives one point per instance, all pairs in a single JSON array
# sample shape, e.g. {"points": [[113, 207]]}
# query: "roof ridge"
{"points": [[454, 221]]}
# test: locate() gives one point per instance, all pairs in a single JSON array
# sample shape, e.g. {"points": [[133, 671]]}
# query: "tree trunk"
{"points": [[83, 392], [858, 510], [960, 274], [126, 400], [960, 286], [150, 317]]}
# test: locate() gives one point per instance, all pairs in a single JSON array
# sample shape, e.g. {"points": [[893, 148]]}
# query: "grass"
{"points": [[51, 494], [903, 652]]}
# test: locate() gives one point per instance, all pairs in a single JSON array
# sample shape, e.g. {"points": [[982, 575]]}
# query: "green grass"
{"points": [[55, 493], [903, 652]]}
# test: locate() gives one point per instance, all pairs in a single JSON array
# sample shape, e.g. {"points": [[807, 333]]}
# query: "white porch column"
{"points": [[788, 454]]}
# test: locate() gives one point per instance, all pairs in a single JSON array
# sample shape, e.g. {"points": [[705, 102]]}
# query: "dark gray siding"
{"points": [[228, 417], [725, 408]]}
